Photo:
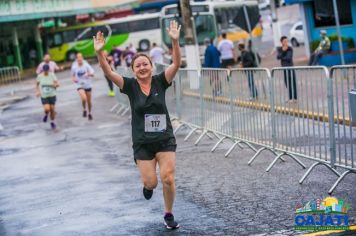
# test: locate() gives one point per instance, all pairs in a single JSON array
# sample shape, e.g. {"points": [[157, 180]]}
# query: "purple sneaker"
{"points": [[84, 113], [45, 118], [53, 125], [90, 117]]}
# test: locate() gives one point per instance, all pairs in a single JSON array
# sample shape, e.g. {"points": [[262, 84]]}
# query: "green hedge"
{"points": [[333, 38]]}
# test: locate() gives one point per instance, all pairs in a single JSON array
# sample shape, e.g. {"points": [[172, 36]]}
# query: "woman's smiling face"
{"points": [[142, 68]]}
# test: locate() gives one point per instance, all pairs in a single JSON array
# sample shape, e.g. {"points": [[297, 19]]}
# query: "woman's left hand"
{"points": [[174, 30]]}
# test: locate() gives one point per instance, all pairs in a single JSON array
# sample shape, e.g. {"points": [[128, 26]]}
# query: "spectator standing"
{"points": [[226, 48], [285, 55]]}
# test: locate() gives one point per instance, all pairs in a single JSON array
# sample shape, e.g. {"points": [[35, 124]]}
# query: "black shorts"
{"points": [[49, 100], [227, 62], [147, 151], [86, 90]]}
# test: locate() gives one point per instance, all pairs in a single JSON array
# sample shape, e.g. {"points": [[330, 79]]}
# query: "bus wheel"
{"points": [[71, 55], [144, 45]]}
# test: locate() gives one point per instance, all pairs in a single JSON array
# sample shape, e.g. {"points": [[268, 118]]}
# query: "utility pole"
{"points": [[337, 23], [191, 46], [275, 25]]}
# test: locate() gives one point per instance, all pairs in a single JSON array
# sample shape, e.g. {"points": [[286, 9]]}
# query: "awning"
{"points": [[296, 1], [11, 11]]}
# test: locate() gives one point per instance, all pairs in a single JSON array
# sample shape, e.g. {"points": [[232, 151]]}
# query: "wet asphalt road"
{"points": [[81, 178]]}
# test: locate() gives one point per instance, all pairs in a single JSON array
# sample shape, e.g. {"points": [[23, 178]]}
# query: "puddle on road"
{"points": [[8, 151]]}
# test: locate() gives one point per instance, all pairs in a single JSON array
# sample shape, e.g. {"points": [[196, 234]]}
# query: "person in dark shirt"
{"points": [[116, 54], [152, 133], [247, 60], [285, 54], [212, 60]]}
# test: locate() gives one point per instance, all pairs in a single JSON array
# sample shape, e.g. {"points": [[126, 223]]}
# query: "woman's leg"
{"points": [[52, 113], [167, 167], [46, 109], [147, 170], [88, 95], [83, 98], [110, 83]]}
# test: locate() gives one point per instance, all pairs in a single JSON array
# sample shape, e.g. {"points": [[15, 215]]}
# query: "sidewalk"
{"points": [[82, 180]]}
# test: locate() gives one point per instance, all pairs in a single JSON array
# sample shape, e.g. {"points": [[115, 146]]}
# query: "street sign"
{"points": [[253, 15]]}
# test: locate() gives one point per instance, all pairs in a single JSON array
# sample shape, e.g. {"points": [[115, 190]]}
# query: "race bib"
{"points": [[47, 89], [155, 122]]}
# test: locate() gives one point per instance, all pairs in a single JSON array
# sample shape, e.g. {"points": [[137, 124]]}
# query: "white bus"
{"points": [[211, 19], [140, 30]]}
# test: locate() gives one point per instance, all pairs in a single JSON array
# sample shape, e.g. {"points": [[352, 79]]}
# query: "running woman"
{"points": [[81, 73], [152, 132], [46, 84]]}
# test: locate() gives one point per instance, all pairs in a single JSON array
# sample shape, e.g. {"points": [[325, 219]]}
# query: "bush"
{"points": [[333, 38]]}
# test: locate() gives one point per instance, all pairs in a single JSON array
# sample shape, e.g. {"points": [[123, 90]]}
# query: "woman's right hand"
{"points": [[99, 41]]}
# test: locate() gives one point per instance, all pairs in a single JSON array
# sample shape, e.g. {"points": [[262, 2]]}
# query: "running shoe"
{"points": [[90, 117], [53, 125], [45, 118], [84, 113], [147, 193], [169, 221], [111, 93]]}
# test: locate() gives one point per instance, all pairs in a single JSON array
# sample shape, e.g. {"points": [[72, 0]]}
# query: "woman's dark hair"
{"points": [[283, 38], [137, 56]]}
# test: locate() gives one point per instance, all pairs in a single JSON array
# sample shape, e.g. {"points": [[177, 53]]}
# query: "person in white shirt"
{"points": [[81, 73], [156, 54], [132, 48], [52, 65], [226, 48]]}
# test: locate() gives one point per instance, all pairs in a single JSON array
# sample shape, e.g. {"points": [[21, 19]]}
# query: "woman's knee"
{"points": [[150, 183], [168, 177]]}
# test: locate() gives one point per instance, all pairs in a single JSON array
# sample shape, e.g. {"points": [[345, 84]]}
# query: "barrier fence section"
{"points": [[300, 103], [251, 117], [343, 80], [189, 101], [215, 120], [9, 75], [123, 104]]}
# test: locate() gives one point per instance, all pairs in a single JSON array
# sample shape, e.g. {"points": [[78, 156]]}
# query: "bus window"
{"points": [[85, 33], [103, 28], [152, 23], [69, 36], [138, 25], [119, 28], [204, 25], [165, 36], [57, 39]]}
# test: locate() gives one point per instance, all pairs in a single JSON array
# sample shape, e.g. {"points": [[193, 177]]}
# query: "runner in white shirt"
{"points": [[156, 54], [226, 48], [81, 73]]}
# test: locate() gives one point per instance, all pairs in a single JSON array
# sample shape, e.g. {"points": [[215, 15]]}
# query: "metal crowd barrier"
{"points": [[9, 75], [288, 112], [189, 100], [343, 81], [250, 114], [123, 104]]}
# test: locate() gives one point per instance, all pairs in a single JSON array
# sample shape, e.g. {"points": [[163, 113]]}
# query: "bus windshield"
{"points": [[204, 26]]}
